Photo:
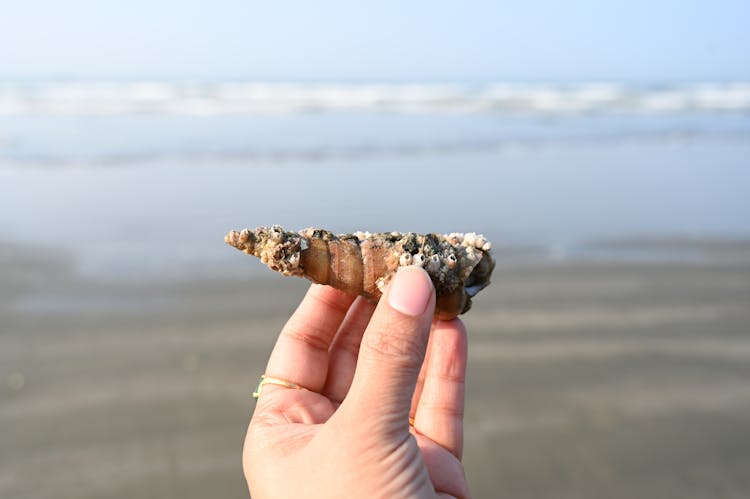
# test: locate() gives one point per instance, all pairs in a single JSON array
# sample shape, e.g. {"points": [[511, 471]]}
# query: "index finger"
{"points": [[301, 351]]}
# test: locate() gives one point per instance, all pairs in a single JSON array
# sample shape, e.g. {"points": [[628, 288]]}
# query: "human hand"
{"points": [[366, 371]]}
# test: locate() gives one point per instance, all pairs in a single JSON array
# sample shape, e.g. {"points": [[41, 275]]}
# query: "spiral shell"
{"points": [[362, 263]]}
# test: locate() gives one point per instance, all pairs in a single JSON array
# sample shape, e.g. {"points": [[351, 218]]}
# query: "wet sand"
{"points": [[586, 380]]}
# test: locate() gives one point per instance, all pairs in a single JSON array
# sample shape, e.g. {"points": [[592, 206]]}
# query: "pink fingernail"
{"points": [[410, 291]]}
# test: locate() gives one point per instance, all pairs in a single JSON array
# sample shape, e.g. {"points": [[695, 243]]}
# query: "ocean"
{"points": [[144, 178]]}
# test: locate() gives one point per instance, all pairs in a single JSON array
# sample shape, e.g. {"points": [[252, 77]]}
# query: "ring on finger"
{"points": [[270, 380]]}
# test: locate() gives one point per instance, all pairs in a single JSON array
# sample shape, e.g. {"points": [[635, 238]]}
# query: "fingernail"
{"points": [[410, 291]]}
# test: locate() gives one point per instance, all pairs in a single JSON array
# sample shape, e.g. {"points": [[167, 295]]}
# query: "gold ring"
{"points": [[266, 380], [411, 421]]}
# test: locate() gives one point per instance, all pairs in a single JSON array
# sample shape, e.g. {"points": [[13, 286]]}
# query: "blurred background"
{"points": [[604, 148]]}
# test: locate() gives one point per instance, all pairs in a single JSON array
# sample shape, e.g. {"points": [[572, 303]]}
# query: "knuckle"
{"points": [[397, 341], [335, 300], [349, 345], [310, 336], [453, 373], [449, 411]]}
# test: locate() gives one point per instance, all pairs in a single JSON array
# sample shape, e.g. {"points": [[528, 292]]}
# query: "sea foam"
{"points": [[186, 98]]}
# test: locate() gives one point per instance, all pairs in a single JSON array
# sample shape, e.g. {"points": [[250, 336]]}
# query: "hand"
{"points": [[366, 371]]}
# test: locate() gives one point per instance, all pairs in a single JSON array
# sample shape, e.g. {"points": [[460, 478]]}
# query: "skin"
{"points": [[367, 370]]}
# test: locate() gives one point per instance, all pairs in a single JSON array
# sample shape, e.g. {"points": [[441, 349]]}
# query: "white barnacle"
{"points": [[455, 237], [487, 246], [405, 259], [433, 265], [418, 260], [469, 239]]}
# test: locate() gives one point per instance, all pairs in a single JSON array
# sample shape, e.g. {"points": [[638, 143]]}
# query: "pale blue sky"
{"points": [[632, 40]]}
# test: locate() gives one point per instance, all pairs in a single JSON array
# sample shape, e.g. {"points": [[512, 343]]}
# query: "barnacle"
{"points": [[362, 263]]}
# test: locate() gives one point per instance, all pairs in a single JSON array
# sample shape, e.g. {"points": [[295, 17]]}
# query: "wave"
{"points": [[201, 99]]}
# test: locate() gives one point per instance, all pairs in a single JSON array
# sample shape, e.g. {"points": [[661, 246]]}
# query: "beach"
{"points": [[609, 358], [587, 379]]}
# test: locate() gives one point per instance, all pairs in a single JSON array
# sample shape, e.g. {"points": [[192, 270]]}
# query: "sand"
{"points": [[586, 380]]}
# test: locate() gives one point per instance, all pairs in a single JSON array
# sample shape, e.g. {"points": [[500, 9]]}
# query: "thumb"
{"points": [[392, 351]]}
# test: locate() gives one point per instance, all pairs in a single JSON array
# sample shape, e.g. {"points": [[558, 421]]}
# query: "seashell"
{"points": [[362, 263]]}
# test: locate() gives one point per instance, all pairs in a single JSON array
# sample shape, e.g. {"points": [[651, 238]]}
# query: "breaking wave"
{"points": [[182, 98]]}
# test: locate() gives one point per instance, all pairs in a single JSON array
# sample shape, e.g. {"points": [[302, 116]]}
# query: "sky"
{"points": [[387, 40]]}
